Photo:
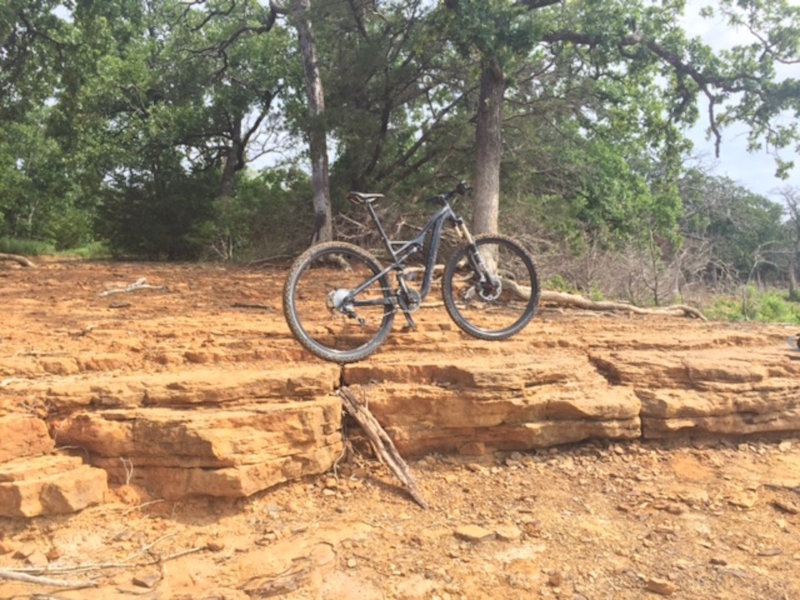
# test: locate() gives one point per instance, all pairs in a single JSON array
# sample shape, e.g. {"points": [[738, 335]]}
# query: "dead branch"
{"points": [[381, 443], [575, 301], [139, 284], [39, 580], [18, 259]]}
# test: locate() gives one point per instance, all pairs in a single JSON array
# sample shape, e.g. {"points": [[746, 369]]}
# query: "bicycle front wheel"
{"points": [[500, 305], [330, 307]]}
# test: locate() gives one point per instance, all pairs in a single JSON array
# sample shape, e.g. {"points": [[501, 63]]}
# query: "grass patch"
{"points": [[22, 247], [91, 251], [767, 306]]}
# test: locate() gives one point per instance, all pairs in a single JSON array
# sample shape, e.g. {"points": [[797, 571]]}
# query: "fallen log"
{"points": [[575, 301], [381, 443], [18, 259]]}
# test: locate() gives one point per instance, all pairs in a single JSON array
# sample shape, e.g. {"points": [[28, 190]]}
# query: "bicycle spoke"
{"points": [[500, 305], [325, 310]]}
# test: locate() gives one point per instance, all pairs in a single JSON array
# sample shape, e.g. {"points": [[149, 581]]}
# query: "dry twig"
{"points": [[139, 284], [40, 580], [381, 443]]}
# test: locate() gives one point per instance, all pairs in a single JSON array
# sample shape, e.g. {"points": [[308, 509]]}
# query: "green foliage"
{"points": [[768, 306], [559, 284], [134, 121], [268, 217], [155, 217], [25, 247], [745, 230]]}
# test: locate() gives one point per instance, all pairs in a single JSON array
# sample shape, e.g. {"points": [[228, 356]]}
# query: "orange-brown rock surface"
{"points": [[199, 389]]}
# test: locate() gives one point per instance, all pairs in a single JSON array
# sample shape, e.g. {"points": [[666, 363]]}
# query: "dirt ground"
{"points": [[684, 519]]}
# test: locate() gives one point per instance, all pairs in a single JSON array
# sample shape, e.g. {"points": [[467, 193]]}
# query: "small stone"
{"points": [[785, 446], [145, 581], [474, 533], [331, 483], [328, 492], [215, 546], [53, 554], [352, 563], [745, 499], [674, 508], [770, 552], [555, 579], [508, 532], [476, 468], [786, 507], [37, 559], [719, 561], [24, 551], [660, 586]]}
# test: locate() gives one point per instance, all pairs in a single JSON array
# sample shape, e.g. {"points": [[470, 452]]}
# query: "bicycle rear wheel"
{"points": [[324, 313], [495, 309]]}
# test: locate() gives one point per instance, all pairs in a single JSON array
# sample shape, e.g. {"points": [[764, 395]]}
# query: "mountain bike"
{"points": [[340, 303]]}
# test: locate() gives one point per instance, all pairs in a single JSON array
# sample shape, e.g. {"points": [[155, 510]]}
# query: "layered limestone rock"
{"points": [[503, 402], [211, 451], [23, 435], [706, 392], [198, 431], [186, 387], [200, 388], [48, 485], [32, 481]]}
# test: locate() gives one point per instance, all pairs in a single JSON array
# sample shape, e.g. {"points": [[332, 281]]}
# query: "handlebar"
{"points": [[461, 189]]}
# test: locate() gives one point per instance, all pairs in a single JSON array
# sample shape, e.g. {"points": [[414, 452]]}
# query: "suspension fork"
{"points": [[473, 255]]}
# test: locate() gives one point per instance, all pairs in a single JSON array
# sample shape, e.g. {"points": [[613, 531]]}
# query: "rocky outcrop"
{"points": [[47, 485], [199, 388], [708, 392], [33, 481], [494, 402], [211, 451], [23, 435]]}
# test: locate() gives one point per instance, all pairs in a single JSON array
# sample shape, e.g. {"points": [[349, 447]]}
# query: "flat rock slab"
{"points": [[497, 402], [217, 452], [49, 485], [708, 392]]}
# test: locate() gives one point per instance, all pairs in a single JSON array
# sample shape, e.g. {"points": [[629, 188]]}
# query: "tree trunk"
{"points": [[227, 186], [317, 142], [488, 151]]}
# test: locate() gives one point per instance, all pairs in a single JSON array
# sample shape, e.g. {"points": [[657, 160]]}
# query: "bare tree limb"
{"points": [[18, 259], [381, 443], [40, 580]]}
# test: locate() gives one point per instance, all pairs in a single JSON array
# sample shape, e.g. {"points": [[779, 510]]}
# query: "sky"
{"points": [[754, 171]]}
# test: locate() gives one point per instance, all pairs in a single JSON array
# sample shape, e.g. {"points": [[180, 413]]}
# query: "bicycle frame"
{"points": [[406, 249]]}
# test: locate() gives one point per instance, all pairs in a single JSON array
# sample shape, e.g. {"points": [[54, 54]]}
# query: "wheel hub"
{"points": [[489, 291], [337, 301]]}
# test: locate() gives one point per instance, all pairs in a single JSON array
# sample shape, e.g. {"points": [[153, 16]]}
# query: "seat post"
{"points": [[384, 237]]}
